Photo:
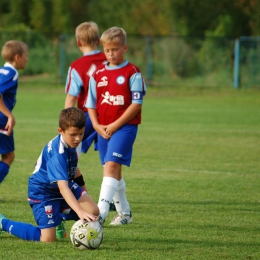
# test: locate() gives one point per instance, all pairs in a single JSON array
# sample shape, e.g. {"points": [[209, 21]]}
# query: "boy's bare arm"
{"points": [[11, 121], [70, 101], [72, 202]]}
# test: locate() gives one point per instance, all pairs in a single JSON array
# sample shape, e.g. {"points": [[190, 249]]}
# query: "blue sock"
{"points": [[22, 230], [4, 169]]}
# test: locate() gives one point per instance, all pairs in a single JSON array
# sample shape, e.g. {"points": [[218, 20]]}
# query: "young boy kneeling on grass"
{"points": [[51, 189]]}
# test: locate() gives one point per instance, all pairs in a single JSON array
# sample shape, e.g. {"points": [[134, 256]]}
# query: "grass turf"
{"points": [[193, 184]]}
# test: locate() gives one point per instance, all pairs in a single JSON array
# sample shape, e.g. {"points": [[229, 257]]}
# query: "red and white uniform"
{"points": [[79, 74], [112, 89]]}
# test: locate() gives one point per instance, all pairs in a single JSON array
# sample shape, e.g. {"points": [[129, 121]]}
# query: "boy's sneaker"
{"points": [[61, 231], [121, 219], [1, 218]]}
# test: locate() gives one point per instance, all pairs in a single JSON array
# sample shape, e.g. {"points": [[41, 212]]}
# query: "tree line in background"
{"points": [[222, 18]]}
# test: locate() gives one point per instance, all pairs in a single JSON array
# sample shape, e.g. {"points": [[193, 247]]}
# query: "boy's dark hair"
{"points": [[72, 117]]}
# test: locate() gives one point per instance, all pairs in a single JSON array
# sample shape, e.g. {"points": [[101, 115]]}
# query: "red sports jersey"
{"points": [[116, 90], [85, 67]]}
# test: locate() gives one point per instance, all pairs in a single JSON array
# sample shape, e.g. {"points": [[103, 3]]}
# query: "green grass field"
{"points": [[193, 184]]}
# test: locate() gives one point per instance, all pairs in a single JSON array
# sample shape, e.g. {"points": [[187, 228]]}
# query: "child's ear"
{"points": [[60, 130], [16, 57], [79, 43]]}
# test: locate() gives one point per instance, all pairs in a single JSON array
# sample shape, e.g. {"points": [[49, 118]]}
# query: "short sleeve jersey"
{"points": [[79, 73], [56, 162], [112, 89], [8, 89]]}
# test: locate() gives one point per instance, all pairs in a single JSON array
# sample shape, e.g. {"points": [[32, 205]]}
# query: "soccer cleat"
{"points": [[1, 218], [61, 231], [112, 206], [121, 219], [101, 220]]}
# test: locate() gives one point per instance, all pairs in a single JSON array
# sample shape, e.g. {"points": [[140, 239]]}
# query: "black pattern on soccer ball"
{"points": [[87, 235]]}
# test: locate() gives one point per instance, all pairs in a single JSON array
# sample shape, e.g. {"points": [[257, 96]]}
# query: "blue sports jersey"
{"points": [[56, 162], [8, 89]]}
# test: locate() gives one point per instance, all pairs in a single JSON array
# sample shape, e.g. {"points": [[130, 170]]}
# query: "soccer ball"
{"points": [[86, 235]]}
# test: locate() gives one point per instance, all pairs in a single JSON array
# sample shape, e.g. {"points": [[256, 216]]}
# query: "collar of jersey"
{"points": [[117, 66]]}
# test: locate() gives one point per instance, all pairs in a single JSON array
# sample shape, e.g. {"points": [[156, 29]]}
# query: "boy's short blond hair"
{"points": [[12, 48], [87, 33], [115, 34]]}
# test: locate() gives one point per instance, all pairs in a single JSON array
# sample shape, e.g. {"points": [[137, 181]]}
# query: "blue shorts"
{"points": [[6, 143], [90, 135], [119, 147], [47, 213]]}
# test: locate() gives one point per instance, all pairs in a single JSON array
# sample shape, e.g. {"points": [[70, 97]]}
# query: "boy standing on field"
{"points": [[80, 71], [87, 37], [15, 55], [114, 104], [51, 189]]}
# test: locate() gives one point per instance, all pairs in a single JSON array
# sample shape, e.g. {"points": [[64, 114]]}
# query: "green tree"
{"points": [[14, 14], [148, 17], [229, 18]]}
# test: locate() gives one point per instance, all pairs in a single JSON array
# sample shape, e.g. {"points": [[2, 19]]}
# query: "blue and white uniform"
{"points": [[8, 89], [56, 162]]}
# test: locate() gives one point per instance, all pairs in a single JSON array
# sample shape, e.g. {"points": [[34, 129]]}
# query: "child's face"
{"points": [[114, 53], [72, 136], [21, 61]]}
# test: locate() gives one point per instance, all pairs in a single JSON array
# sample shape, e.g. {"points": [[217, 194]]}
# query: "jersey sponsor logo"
{"points": [[98, 71], [103, 83], [50, 221], [120, 80], [117, 155], [3, 71], [112, 100]]}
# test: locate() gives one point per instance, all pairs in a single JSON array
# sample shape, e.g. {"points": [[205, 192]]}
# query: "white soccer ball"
{"points": [[86, 235]]}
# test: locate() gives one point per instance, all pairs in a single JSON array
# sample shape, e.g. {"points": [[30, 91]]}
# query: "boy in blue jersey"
{"points": [[15, 55], [51, 189], [114, 103]]}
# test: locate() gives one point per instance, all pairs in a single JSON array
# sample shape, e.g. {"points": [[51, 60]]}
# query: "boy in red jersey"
{"points": [[80, 70], [114, 104]]}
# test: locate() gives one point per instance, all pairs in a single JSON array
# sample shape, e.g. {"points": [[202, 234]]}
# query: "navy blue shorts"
{"points": [[119, 147], [6, 143], [90, 135], [47, 213]]}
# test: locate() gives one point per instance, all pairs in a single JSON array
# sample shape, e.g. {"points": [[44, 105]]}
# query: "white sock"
{"points": [[121, 203], [108, 189]]}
